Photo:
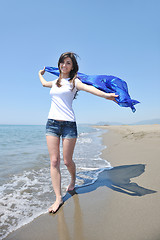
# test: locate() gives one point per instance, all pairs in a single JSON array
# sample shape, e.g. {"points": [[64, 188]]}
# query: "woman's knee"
{"points": [[55, 162], [68, 162]]}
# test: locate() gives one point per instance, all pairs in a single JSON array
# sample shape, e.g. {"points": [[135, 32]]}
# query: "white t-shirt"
{"points": [[61, 100]]}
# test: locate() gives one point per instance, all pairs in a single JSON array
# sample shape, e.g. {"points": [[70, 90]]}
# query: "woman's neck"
{"points": [[64, 75]]}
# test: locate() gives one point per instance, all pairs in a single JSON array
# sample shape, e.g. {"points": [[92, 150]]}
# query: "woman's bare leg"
{"points": [[53, 144], [68, 148]]}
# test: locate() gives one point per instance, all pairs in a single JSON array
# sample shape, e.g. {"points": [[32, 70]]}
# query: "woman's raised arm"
{"points": [[95, 91], [43, 81]]}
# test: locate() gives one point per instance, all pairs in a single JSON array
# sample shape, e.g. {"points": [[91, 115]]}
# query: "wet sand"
{"points": [[124, 202]]}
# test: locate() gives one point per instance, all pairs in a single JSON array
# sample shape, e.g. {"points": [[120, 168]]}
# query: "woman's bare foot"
{"points": [[56, 206], [71, 186]]}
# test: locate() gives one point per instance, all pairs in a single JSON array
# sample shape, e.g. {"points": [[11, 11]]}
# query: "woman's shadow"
{"points": [[117, 179]]}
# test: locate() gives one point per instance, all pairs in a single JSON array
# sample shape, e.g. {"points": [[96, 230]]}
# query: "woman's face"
{"points": [[66, 66]]}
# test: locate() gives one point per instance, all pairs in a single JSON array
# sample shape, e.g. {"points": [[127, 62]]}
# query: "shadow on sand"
{"points": [[117, 179]]}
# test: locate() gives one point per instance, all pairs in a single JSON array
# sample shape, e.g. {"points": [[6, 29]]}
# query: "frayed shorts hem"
{"points": [[55, 135]]}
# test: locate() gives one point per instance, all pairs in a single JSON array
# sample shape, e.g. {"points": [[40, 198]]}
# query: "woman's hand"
{"points": [[111, 96], [42, 71]]}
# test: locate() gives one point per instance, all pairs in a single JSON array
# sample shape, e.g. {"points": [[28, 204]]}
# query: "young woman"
{"points": [[61, 120]]}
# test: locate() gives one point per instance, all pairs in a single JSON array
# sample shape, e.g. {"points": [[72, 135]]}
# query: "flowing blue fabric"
{"points": [[108, 84]]}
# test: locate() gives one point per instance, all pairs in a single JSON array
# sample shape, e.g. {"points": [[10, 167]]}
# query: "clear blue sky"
{"points": [[118, 37]]}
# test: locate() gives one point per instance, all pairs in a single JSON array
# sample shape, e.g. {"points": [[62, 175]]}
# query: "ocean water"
{"points": [[25, 184]]}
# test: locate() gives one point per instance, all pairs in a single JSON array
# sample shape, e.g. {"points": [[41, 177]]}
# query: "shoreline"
{"points": [[122, 204]]}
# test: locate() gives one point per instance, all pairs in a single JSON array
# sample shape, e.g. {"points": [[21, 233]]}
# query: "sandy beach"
{"points": [[124, 202]]}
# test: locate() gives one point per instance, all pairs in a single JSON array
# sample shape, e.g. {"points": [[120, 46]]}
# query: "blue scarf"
{"points": [[108, 84]]}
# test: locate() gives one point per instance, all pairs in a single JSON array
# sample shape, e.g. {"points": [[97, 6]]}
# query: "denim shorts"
{"points": [[66, 129]]}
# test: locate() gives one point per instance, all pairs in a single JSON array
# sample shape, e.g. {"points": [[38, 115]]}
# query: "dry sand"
{"points": [[123, 204]]}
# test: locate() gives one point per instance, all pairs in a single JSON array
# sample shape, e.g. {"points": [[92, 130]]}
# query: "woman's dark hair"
{"points": [[73, 72]]}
